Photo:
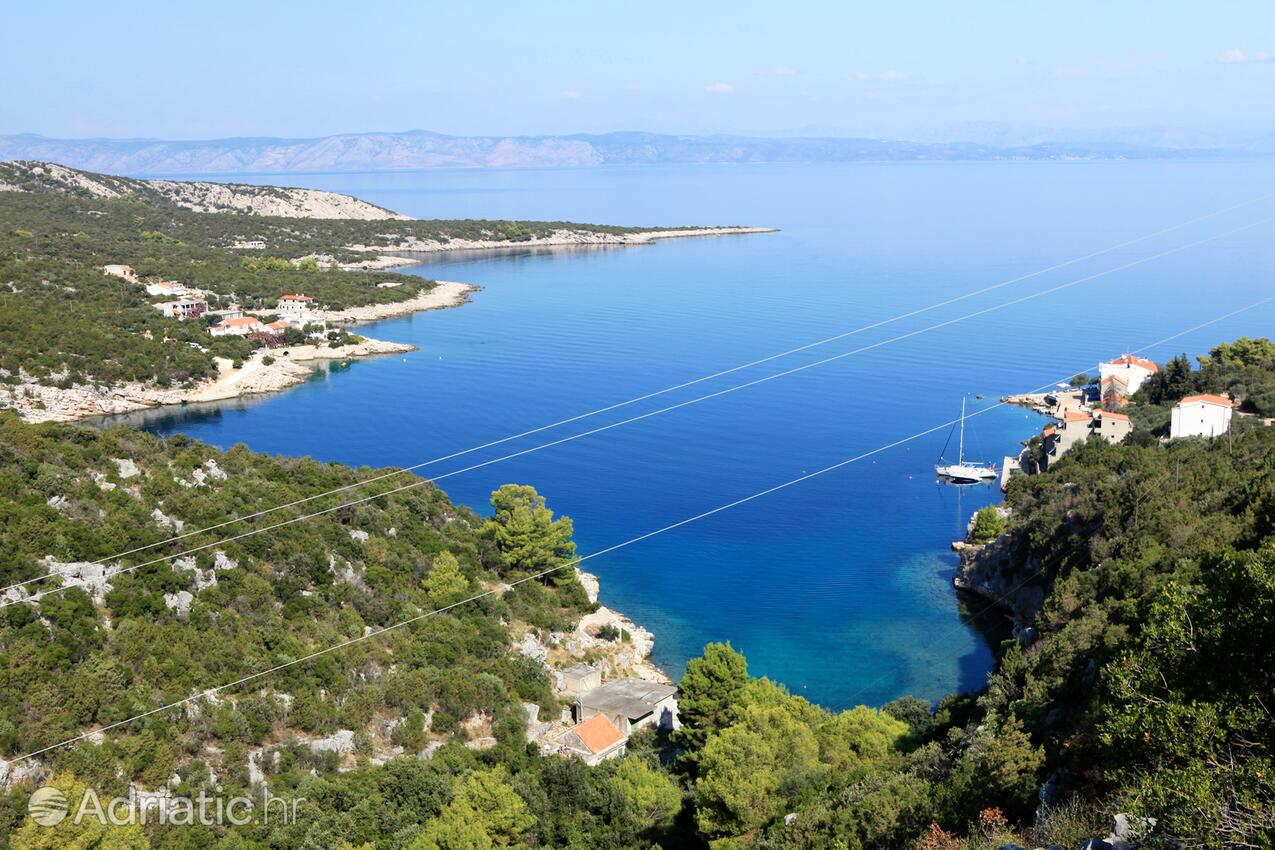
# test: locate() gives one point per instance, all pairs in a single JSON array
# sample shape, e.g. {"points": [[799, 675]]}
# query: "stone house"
{"points": [[631, 704], [594, 740], [580, 678]]}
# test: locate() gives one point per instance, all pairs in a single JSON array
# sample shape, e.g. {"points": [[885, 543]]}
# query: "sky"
{"points": [[929, 71]]}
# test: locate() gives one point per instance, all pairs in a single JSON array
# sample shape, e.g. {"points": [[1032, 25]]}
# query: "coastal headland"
{"points": [[181, 289]]}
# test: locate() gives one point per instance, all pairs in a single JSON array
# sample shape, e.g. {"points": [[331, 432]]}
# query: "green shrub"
{"points": [[988, 525]]}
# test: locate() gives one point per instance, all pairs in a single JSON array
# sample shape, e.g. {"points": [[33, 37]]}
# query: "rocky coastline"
{"points": [[37, 402], [1000, 571], [446, 293], [401, 253], [629, 655]]}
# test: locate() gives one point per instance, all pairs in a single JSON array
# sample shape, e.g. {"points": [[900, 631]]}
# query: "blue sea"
{"points": [[840, 586]]}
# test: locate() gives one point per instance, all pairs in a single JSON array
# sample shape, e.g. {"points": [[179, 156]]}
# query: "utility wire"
{"points": [[656, 393], [574, 561], [412, 485]]}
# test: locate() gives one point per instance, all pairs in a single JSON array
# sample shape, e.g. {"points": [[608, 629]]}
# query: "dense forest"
{"points": [[1142, 684], [63, 322]]}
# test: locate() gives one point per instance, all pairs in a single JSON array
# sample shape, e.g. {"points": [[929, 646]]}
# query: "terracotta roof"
{"points": [[1076, 416], [598, 733], [1107, 414], [279, 326], [1050, 431], [297, 297], [1130, 360], [242, 321], [1206, 398]]}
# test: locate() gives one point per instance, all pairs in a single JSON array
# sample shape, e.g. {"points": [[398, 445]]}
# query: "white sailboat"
{"points": [[965, 471]]}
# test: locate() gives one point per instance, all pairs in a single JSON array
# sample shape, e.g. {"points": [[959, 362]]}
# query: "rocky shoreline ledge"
{"points": [[628, 655], [42, 403], [447, 293], [1000, 571]]}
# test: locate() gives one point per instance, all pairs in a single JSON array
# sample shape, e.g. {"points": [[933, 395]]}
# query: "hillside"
{"points": [[197, 196], [445, 696], [1137, 685], [422, 149]]}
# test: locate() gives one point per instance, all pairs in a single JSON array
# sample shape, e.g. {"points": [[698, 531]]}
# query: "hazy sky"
{"points": [[226, 68]]}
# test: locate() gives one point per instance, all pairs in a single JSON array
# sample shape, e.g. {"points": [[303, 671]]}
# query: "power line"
{"points": [[166, 558], [577, 561], [656, 393]]}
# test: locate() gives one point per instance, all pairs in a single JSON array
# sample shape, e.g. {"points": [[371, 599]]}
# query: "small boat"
{"points": [[964, 471]]}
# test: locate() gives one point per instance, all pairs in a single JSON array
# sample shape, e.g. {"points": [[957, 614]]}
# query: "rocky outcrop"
{"points": [[194, 195], [41, 403], [998, 571]]}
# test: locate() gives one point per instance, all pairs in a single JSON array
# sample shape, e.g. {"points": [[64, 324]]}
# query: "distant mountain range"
{"points": [[422, 149]]}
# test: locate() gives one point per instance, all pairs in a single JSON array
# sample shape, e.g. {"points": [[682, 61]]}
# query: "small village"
{"points": [[1096, 408], [294, 312]]}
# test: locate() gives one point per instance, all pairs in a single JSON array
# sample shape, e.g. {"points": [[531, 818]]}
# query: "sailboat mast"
{"points": [[961, 456]]}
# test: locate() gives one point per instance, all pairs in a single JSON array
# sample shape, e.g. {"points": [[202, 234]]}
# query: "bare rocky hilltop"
{"points": [[194, 195]]}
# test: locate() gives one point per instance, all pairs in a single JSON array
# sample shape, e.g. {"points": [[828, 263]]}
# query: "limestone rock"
{"points": [[179, 603], [87, 574], [998, 572], [340, 741], [532, 648], [165, 521], [590, 583]]}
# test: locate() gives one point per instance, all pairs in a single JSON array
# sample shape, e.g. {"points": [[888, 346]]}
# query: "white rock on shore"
{"points": [[41, 403]]}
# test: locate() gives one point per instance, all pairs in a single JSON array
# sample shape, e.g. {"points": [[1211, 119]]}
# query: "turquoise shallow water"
{"points": [[840, 586]]}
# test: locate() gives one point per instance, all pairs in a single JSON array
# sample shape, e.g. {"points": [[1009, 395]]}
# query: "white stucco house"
{"points": [[238, 327], [170, 289], [294, 305], [1120, 378], [298, 311], [121, 271], [1201, 416], [183, 308]]}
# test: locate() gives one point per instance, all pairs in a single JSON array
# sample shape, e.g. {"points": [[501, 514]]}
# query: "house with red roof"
{"points": [[241, 326], [1077, 425], [594, 740], [1120, 378], [1203, 415]]}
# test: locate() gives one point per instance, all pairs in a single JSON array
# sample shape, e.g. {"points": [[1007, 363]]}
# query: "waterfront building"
{"points": [[1120, 378], [631, 704]]}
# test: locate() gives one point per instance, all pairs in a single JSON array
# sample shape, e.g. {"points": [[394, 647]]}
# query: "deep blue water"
{"points": [[839, 586]]}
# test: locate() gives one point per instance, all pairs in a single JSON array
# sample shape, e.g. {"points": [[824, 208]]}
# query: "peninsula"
{"points": [[167, 291]]}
